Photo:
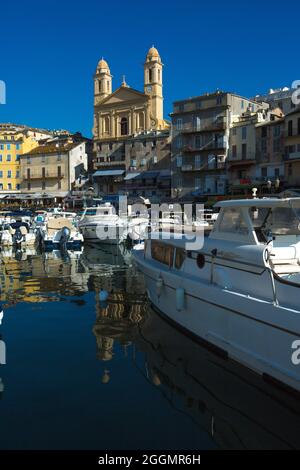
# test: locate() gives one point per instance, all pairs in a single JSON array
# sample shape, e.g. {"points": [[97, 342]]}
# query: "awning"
{"points": [[108, 173], [149, 174], [164, 174], [131, 176]]}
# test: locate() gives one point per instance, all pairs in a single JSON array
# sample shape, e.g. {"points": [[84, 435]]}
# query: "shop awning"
{"points": [[149, 174], [164, 174], [131, 176], [101, 173]]}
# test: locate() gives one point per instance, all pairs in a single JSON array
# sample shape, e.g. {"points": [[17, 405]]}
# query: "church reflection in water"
{"points": [[118, 317]]}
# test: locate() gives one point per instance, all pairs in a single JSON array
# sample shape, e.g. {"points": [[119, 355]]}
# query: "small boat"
{"points": [[237, 288], [18, 234], [60, 233], [103, 225]]}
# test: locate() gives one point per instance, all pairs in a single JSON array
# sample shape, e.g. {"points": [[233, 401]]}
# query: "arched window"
{"points": [[124, 126], [150, 75], [159, 76], [107, 84]]}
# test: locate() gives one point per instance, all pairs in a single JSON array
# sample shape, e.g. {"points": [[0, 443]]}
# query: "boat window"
{"points": [[233, 221], [162, 253], [276, 221], [90, 212], [179, 257]]}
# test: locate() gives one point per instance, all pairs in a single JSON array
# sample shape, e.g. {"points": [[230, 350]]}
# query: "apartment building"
{"points": [[256, 149], [281, 98], [146, 151], [292, 147], [200, 141], [15, 140], [270, 149], [54, 168]]}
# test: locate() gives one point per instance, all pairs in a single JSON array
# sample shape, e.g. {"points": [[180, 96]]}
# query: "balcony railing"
{"points": [[109, 164], [206, 127], [39, 175], [203, 168], [204, 147], [292, 156]]}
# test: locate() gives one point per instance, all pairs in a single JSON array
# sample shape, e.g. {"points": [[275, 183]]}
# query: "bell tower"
{"points": [[102, 82], [153, 69]]}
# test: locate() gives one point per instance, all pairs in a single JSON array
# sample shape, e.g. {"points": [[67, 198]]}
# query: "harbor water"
{"points": [[86, 363]]}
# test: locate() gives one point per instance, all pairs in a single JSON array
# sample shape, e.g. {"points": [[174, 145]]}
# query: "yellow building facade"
{"points": [[14, 142]]}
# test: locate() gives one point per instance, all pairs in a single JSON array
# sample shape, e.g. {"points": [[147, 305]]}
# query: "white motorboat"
{"points": [[18, 234], [236, 290], [175, 222], [59, 232], [102, 224]]}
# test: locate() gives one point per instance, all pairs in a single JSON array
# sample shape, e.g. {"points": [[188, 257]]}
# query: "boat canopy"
{"points": [[264, 202]]}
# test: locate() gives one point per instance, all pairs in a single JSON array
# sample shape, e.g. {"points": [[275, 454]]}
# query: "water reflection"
{"points": [[235, 406], [198, 392], [31, 276]]}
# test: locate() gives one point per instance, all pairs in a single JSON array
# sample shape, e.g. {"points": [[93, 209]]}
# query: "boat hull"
{"points": [[254, 332]]}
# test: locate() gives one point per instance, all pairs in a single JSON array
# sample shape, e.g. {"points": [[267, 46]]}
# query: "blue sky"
{"points": [[50, 49]]}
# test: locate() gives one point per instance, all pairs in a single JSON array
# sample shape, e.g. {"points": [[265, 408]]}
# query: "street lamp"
{"points": [[269, 185], [277, 183]]}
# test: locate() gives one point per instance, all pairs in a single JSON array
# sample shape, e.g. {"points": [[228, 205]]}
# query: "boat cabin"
{"points": [[271, 222]]}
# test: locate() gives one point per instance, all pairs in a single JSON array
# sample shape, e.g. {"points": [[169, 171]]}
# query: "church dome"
{"points": [[153, 54], [102, 64]]}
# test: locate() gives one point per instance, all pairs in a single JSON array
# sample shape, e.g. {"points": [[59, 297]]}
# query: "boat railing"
{"points": [[214, 254]]}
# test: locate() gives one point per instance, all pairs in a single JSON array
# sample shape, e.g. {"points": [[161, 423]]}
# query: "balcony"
{"points": [[109, 164], [205, 147], [187, 168], [209, 127], [38, 175], [203, 168], [293, 156]]}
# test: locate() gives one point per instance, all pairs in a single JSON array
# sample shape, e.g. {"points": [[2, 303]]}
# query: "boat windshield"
{"points": [[276, 220]]}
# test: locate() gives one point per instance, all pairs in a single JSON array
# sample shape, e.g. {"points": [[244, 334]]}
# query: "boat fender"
{"points": [[180, 298], [1, 314], [159, 286], [103, 295]]}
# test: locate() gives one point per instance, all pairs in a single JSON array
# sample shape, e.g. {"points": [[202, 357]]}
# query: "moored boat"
{"points": [[58, 233], [236, 290], [103, 225], [18, 234]]}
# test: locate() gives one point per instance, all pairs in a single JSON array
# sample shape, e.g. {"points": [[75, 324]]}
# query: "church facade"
{"points": [[130, 133], [127, 111]]}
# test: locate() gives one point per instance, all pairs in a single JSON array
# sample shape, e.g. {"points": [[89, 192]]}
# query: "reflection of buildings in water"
{"points": [[2, 362], [118, 317], [234, 405], [99, 258], [28, 277]]}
